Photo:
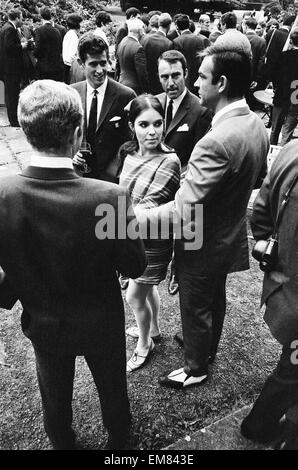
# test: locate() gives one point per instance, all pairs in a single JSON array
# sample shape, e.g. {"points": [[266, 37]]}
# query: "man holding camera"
{"points": [[279, 395]]}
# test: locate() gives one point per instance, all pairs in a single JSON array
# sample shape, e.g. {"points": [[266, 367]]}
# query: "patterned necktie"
{"points": [[169, 115], [92, 119]]}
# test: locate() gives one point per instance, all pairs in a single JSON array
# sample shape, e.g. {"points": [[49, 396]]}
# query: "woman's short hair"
{"points": [[91, 44], [49, 113], [73, 21]]}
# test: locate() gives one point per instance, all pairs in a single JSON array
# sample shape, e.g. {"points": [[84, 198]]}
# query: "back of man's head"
{"points": [[229, 20], [153, 13], [45, 13], [183, 22], [165, 21], [288, 20], [102, 18], [251, 23], [294, 37], [14, 14], [233, 64], [135, 26], [154, 21], [132, 13]]}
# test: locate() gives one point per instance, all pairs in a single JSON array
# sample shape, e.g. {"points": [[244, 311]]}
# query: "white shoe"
{"points": [[137, 361], [179, 379]]}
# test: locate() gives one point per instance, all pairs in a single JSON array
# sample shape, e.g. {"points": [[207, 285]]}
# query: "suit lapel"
{"points": [[181, 112], [108, 100]]}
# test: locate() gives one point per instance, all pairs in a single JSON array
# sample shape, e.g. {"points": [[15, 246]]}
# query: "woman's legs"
{"points": [[154, 302], [137, 299]]}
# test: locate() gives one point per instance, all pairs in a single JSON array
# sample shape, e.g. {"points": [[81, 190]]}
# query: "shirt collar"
{"points": [[101, 89], [133, 37], [177, 101], [51, 162], [229, 107]]}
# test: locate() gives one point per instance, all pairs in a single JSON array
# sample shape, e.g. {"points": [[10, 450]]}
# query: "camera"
{"points": [[266, 253]]}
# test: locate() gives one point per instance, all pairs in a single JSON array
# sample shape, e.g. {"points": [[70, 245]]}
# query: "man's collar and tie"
{"points": [[92, 121], [94, 101], [172, 106]]}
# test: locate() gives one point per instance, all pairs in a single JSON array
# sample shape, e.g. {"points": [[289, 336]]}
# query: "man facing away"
{"points": [[105, 122], [221, 173], [63, 268]]}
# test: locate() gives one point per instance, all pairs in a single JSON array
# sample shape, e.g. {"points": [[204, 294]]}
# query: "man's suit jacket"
{"points": [[221, 175], [188, 126], [190, 45], [155, 44], [258, 49], [61, 30], [112, 127], [122, 31], [280, 293], [48, 50], [11, 54], [133, 65], [273, 54], [62, 272]]}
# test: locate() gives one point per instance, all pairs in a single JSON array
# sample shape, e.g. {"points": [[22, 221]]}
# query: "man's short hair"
{"points": [[183, 22], [165, 20], [288, 20], [102, 18], [49, 113], [145, 18], [229, 19], [232, 63], [14, 14], [91, 44], [251, 22], [154, 21], [135, 25], [45, 13], [132, 12], [172, 56], [294, 36], [73, 21], [153, 13]]}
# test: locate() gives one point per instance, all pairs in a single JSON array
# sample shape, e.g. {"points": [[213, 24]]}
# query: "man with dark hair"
{"points": [[221, 174], [276, 41], [102, 20], [11, 62], [48, 48], [231, 37], [122, 31], [154, 45], [104, 100], [190, 45]]}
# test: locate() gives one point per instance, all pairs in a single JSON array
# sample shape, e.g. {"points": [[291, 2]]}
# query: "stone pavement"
{"points": [[221, 435]]}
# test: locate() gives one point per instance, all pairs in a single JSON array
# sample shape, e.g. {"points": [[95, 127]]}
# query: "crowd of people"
{"points": [[166, 138]]}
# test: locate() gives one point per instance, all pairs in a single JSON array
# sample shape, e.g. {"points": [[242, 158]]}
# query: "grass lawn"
{"points": [[246, 356]]}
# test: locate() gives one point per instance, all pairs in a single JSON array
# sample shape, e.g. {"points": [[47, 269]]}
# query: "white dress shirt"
{"points": [[51, 162], [176, 102], [100, 97], [69, 47]]}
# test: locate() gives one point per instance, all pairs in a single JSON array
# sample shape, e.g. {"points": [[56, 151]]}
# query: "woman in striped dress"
{"points": [[151, 173]]}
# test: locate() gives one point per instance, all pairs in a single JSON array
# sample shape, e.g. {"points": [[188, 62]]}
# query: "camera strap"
{"points": [[283, 206]]}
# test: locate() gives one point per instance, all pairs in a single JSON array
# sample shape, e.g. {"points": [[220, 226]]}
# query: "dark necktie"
{"points": [[92, 124], [169, 115]]}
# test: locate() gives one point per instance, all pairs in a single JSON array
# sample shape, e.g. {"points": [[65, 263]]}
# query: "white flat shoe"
{"points": [[137, 361]]}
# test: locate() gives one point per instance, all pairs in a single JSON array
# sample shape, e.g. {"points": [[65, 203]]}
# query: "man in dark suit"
{"points": [[221, 174], [48, 48], [62, 262], [155, 44], [105, 122], [190, 45], [132, 59], [11, 63], [122, 31], [190, 120], [279, 395]]}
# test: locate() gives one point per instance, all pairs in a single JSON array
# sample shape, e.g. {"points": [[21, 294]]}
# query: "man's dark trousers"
{"points": [[12, 84], [203, 308], [55, 374]]}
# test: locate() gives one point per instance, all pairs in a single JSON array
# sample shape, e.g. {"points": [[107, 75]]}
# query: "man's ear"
{"points": [[186, 73], [76, 139], [222, 84]]}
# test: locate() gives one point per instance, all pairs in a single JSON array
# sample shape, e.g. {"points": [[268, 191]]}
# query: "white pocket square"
{"points": [[115, 119], [183, 128]]}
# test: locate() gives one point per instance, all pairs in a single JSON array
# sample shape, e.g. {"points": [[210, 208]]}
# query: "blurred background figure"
{"points": [[204, 25], [70, 43], [103, 21]]}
